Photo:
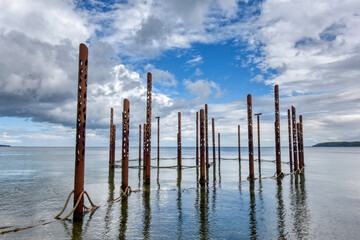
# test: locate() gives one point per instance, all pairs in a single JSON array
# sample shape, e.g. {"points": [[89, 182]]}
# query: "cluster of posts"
{"points": [[295, 130]]}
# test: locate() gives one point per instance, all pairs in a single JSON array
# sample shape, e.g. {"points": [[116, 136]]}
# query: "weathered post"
{"points": [[158, 141], [110, 145], [302, 140], [219, 154], [113, 136], [250, 136], [139, 144], [277, 133], [258, 132], [213, 140], [179, 141], [202, 148], [293, 111], [125, 145], [206, 136], [148, 128], [80, 131], [289, 132], [197, 138], [239, 149], [299, 144]]}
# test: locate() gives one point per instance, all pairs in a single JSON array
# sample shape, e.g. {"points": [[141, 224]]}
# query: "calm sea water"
{"points": [[321, 203]]}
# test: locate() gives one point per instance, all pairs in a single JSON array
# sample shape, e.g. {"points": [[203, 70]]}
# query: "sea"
{"points": [[321, 202]]}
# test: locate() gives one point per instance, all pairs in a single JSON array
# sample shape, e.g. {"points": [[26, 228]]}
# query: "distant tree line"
{"points": [[338, 144]]}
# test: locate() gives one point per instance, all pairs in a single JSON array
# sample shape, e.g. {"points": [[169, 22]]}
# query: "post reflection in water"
{"points": [[124, 217], [219, 174], [204, 212], [180, 218], [280, 211], [299, 206], [77, 227], [253, 223], [111, 187], [214, 190], [147, 211]]}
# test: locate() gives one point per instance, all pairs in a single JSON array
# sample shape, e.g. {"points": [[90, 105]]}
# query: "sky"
{"points": [[198, 51]]}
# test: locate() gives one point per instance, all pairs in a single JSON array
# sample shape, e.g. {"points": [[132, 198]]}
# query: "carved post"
{"points": [[213, 140], [111, 137], [179, 141], [277, 133], [197, 138], [289, 131], [293, 110], [202, 148], [148, 128], [206, 136], [302, 141], [80, 131], [158, 141], [139, 144], [299, 144], [125, 144], [239, 149], [250, 136]]}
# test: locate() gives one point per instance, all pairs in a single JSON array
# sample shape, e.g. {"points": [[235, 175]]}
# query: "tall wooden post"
{"points": [[179, 141], [302, 141], [213, 140], [299, 144], [80, 131], [158, 141], [202, 148], [239, 147], [148, 129], [258, 132], [111, 137], [250, 136], [277, 133], [219, 154], [289, 132], [197, 138], [139, 144], [206, 136], [293, 111], [125, 144]]}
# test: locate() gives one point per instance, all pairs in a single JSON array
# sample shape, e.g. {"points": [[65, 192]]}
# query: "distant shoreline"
{"points": [[5, 145], [338, 144]]}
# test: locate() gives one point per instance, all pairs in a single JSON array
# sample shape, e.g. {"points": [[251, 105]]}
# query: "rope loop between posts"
{"points": [[124, 193]]}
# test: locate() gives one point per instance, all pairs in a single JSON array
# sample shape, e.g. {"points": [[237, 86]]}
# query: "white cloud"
{"points": [[204, 89], [196, 60], [257, 78], [160, 76]]}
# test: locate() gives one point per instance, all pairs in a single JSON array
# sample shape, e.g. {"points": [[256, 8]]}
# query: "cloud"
{"points": [[204, 89], [198, 72], [196, 60], [257, 78], [160, 76]]}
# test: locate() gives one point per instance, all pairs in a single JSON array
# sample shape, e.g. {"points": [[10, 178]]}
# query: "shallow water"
{"points": [[321, 203]]}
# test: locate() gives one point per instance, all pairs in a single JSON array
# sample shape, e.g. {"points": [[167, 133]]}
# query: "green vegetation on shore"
{"points": [[338, 144]]}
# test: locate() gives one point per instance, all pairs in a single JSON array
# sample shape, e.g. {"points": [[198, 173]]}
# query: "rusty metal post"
{"points": [[139, 144], [197, 138], [258, 132], [293, 111], [179, 141], [202, 148], [125, 145], [289, 132], [250, 136], [219, 154], [144, 144], [302, 141], [158, 141], [299, 144], [277, 133], [213, 140], [80, 131], [113, 135], [206, 136], [148, 128], [239, 149], [110, 145]]}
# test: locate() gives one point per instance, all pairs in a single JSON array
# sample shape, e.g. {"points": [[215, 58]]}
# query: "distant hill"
{"points": [[5, 145], [338, 144]]}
